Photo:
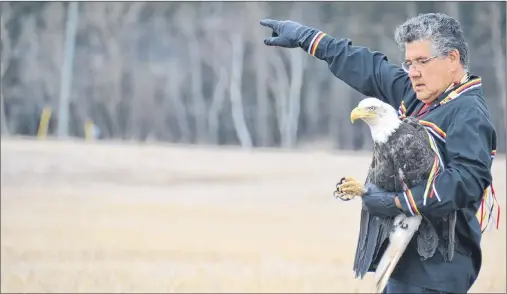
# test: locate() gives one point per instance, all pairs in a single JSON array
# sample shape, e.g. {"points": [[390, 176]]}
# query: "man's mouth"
{"points": [[418, 86]]}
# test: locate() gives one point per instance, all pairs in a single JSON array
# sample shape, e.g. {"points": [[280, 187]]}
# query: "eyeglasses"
{"points": [[406, 65]]}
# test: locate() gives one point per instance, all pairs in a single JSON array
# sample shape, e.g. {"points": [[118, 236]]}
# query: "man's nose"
{"points": [[414, 73]]}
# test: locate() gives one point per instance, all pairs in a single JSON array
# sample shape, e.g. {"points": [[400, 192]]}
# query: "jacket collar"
{"points": [[451, 93], [468, 82]]}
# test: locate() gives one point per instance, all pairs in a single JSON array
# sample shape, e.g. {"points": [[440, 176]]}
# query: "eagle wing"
{"points": [[373, 234], [411, 153], [373, 231], [416, 160]]}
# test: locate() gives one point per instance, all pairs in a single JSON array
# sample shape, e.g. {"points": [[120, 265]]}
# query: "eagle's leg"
{"points": [[350, 188]]}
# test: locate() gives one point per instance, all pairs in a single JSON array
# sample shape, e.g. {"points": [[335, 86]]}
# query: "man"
{"points": [[433, 84]]}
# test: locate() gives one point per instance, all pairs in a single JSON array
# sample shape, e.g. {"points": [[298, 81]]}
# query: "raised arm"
{"points": [[368, 72]]}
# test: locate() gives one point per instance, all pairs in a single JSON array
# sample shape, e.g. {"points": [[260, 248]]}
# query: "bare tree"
{"points": [[297, 66], [189, 26], [498, 54], [112, 22], [219, 97], [287, 93], [67, 68], [291, 104], [499, 64], [235, 90], [4, 59], [279, 85], [262, 74], [411, 9], [487, 19], [32, 74], [217, 56], [176, 75], [452, 8]]}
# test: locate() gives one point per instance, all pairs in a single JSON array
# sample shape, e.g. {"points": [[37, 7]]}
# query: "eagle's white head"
{"points": [[381, 117]]}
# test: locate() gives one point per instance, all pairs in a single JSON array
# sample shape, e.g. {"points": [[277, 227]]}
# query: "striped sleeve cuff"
{"points": [[319, 39], [408, 204]]}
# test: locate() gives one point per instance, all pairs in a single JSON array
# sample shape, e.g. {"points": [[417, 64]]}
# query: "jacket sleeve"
{"points": [[469, 143], [367, 72]]}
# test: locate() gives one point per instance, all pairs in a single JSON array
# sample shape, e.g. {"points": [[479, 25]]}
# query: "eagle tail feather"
{"points": [[404, 229]]}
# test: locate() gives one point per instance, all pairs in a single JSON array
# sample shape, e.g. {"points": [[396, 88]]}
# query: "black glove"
{"points": [[288, 34], [379, 202]]}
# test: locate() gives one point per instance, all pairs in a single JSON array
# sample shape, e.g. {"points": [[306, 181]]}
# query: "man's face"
{"points": [[430, 75]]}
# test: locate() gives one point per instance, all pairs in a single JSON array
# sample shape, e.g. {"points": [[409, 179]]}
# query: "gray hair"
{"points": [[443, 31]]}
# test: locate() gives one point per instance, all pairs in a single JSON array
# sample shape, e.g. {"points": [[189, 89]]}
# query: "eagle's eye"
{"points": [[371, 108]]}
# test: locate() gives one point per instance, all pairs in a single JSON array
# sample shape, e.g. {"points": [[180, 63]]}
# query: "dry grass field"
{"points": [[83, 217]]}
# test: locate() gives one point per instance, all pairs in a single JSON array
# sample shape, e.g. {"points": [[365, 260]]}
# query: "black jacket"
{"points": [[464, 134]]}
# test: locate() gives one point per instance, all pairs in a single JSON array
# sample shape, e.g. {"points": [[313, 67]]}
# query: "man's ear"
{"points": [[454, 56]]}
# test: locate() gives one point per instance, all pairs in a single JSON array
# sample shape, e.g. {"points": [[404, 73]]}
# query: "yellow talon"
{"points": [[351, 187]]}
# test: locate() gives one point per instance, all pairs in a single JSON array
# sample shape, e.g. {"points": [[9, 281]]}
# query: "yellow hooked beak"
{"points": [[360, 112]]}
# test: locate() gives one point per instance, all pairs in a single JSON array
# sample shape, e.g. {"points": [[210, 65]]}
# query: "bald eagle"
{"points": [[402, 158]]}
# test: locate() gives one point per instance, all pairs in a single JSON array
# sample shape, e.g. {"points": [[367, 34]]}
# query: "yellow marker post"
{"points": [[44, 122], [88, 128]]}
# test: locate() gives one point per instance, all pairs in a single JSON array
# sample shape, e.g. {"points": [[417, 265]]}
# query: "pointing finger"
{"points": [[270, 23]]}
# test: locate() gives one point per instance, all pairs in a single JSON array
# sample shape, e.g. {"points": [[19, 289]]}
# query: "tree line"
{"points": [[199, 73]]}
